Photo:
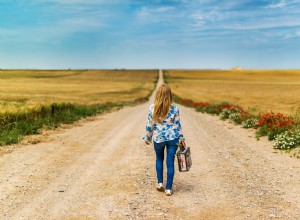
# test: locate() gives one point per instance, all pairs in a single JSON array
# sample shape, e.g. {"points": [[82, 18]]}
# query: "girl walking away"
{"points": [[163, 125]]}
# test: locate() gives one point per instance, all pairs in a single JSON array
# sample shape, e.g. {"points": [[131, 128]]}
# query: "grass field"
{"points": [[35, 99], [263, 90], [24, 88]]}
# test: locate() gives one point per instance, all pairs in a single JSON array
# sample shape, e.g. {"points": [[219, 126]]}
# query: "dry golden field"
{"points": [[22, 88], [263, 90]]}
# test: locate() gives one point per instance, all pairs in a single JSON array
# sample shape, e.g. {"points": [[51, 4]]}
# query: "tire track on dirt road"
{"points": [[102, 170]]}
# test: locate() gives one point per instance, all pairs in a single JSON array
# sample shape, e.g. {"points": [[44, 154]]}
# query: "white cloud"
{"points": [[201, 18], [156, 14], [164, 9], [79, 1], [149, 11], [280, 4], [82, 22], [252, 25], [288, 36], [75, 2]]}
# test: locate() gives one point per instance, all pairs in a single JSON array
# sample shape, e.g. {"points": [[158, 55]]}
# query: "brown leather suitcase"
{"points": [[184, 159]]}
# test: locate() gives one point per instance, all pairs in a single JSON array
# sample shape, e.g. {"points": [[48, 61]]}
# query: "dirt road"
{"points": [[101, 169]]}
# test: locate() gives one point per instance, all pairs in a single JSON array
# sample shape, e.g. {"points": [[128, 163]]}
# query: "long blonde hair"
{"points": [[162, 103]]}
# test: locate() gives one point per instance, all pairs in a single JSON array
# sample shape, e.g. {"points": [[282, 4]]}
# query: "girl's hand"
{"points": [[182, 143], [147, 142]]}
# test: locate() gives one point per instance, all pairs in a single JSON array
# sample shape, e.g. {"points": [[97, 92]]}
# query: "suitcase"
{"points": [[184, 159]]}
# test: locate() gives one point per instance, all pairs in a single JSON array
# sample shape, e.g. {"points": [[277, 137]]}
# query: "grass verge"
{"points": [[15, 125]]}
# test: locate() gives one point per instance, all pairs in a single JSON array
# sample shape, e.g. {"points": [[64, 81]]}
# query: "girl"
{"points": [[164, 126]]}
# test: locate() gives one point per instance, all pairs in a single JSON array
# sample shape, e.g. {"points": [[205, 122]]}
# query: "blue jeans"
{"points": [[171, 151]]}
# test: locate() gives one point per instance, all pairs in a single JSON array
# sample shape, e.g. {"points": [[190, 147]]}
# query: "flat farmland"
{"points": [[260, 90], [103, 170], [23, 88]]}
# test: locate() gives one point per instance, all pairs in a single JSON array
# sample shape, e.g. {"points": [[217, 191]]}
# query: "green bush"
{"points": [[15, 125], [249, 123], [236, 117], [225, 114], [287, 140], [216, 109]]}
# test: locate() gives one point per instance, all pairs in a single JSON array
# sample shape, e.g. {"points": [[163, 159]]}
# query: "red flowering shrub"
{"points": [[190, 103], [186, 102], [272, 124], [201, 104]]}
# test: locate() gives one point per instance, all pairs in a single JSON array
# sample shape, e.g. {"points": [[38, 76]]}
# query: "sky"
{"points": [[147, 34]]}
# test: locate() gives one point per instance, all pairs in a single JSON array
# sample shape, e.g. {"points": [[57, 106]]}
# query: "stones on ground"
{"points": [[127, 214]]}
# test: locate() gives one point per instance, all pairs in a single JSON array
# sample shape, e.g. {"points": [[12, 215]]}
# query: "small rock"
{"points": [[61, 190], [272, 215]]}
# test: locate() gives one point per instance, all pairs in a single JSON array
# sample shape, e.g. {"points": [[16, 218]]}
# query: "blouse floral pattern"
{"points": [[169, 129]]}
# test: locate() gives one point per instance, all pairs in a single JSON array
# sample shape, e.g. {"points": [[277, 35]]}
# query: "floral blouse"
{"points": [[169, 129]]}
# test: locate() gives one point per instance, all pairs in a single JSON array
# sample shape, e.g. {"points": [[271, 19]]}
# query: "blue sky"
{"points": [[104, 34]]}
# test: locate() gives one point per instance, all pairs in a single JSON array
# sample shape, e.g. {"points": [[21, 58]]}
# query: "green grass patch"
{"points": [[15, 125]]}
